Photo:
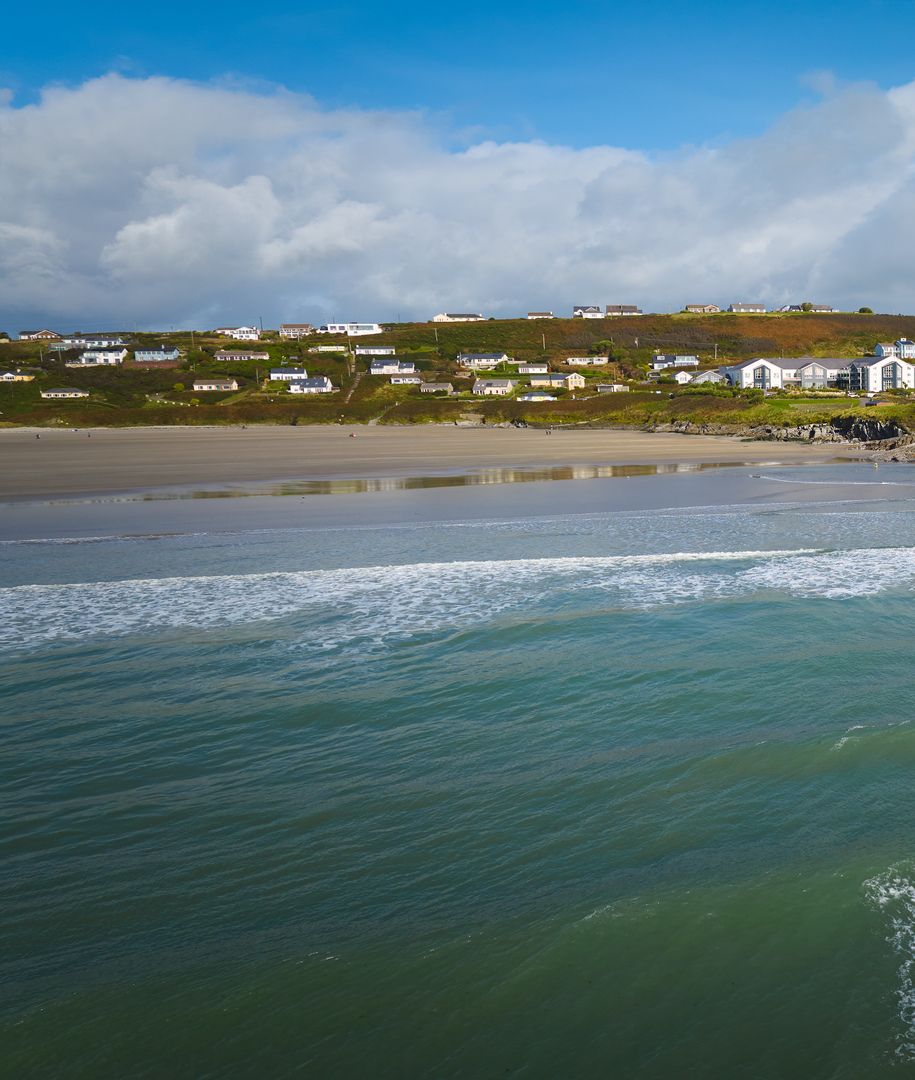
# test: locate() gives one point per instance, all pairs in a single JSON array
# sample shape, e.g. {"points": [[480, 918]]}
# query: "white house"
{"points": [[540, 315], [702, 309], [203, 385], [436, 388], [711, 377], [586, 311], [748, 309], [233, 356], [682, 377], [884, 349], [392, 367], [94, 341], [99, 358], [669, 360], [482, 361], [287, 374], [328, 348], [493, 387], [623, 309], [572, 381], [320, 384], [296, 330], [64, 392], [873, 374], [448, 316], [533, 369], [903, 348], [351, 329], [374, 350], [159, 352], [804, 372], [39, 335], [612, 388], [586, 361], [536, 395], [398, 380], [239, 333], [15, 376]]}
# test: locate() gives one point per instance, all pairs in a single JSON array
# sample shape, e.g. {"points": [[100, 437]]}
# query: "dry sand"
{"points": [[108, 460]]}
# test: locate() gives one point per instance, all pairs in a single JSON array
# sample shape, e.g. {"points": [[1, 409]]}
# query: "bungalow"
{"points": [[623, 309], [449, 316], [702, 309], [351, 329], [669, 360], [572, 381], [711, 377], [586, 311], [536, 395], [15, 376], [392, 367], [493, 387], [805, 372], [682, 377], [375, 350], [159, 352], [341, 348], [399, 380], [816, 309], [245, 333], [747, 309], [233, 356], [485, 361], [287, 374], [99, 358], [95, 341], [612, 388], [873, 374], [39, 335], [202, 385], [436, 388], [533, 369], [586, 361], [320, 384], [540, 315], [296, 330], [64, 392]]}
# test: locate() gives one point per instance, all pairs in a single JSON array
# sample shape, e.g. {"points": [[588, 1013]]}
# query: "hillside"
{"points": [[162, 395]]}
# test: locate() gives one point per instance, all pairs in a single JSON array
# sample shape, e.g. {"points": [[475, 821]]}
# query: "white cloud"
{"points": [[157, 202]]}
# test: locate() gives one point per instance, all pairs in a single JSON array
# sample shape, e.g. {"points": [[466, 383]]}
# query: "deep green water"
{"points": [[591, 795]]}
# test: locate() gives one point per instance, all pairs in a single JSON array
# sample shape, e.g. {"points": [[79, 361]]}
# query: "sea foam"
{"points": [[893, 894], [376, 604]]}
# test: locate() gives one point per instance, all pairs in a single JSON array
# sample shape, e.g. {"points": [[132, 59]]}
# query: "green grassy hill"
{"points": [[153, 395]]}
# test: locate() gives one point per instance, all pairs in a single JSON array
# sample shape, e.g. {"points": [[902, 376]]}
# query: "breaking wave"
{"points": [[893, 894], [381, 603]]}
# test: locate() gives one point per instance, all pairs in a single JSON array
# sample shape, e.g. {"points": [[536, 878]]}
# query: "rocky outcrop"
{"points": [[865, 431]]}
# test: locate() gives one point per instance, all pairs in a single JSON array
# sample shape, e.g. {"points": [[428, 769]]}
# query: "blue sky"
{"points": [[651, 75], [185, 164]]}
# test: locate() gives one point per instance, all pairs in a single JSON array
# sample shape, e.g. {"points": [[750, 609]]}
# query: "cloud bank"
{"points": [[157, 202]]}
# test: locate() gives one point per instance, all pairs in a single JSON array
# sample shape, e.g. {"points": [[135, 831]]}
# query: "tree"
{"points": [[806, 306], [178, 387], [865, 311]]}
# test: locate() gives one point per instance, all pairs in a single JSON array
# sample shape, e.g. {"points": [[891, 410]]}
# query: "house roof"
{"points": [[494, 382], [794, 362], [481, 355], [586, 307], [463, 315]]}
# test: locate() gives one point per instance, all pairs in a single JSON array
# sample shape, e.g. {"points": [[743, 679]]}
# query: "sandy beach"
{"points": [[107, 460]]}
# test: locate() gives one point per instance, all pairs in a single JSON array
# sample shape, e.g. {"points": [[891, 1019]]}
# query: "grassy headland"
{"points": [[148, 394]]}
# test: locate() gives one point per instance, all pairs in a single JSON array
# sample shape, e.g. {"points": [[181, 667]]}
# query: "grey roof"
{"points": [[481, 355], [289, 370], [463, 315], [316, 380], [794, 362]]}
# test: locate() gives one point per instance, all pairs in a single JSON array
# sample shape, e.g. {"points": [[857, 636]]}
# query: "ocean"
{"points": [[586, 778]]}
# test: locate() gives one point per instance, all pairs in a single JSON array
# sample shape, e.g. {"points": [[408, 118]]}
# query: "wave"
{"points": [[378, 604], [893, 895]]}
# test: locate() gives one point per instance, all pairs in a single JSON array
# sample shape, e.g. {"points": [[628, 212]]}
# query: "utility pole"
{"points": [[543, 339], [716, 352]]}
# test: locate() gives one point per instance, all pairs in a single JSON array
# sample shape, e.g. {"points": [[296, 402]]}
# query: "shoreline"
{"points": [[87, 462]]}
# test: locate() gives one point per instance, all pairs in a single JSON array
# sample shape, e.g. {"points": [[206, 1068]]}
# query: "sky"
{"points": [[197, 164]]}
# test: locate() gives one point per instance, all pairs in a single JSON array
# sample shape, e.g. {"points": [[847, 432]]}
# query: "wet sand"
{"points": [[108, 460]]}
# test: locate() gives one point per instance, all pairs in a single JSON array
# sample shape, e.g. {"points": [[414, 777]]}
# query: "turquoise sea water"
{"points": [[624, 793]]}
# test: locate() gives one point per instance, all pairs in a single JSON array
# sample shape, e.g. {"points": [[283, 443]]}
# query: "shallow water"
{"points": [[625, 792]]}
